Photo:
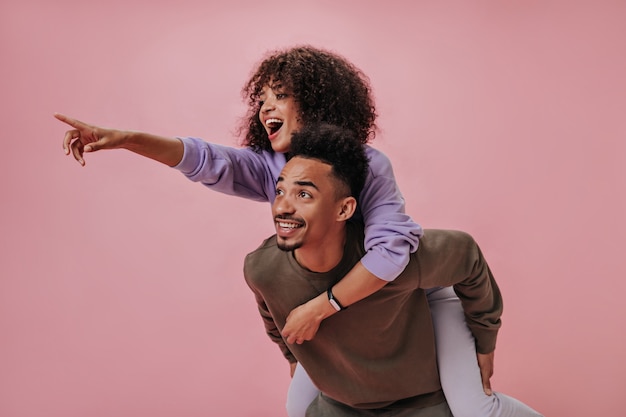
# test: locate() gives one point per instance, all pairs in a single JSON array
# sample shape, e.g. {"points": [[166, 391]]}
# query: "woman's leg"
{"points": [[458, 366], [301, 393]]}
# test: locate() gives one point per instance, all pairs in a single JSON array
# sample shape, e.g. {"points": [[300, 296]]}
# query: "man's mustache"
{"points": [[288, 217]]}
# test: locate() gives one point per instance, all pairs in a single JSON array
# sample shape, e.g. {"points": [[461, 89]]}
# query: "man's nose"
{"points": [[282, 205]]}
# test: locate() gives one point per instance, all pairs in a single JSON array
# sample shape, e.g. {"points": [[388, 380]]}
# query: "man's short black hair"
{"points": [[337, 147]]}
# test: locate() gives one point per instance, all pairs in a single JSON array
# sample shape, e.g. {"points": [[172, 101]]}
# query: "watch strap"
{"points": [[333, 301]]}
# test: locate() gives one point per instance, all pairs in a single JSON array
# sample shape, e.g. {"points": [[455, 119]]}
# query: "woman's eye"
{"points": [[281, 96], [279, 191], [261, 102]]}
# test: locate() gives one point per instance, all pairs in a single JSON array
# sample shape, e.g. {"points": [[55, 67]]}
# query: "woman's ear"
{"points": [[347, 208]]}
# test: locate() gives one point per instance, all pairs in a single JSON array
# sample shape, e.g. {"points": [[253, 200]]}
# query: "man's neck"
{"points": [[322, 257]]}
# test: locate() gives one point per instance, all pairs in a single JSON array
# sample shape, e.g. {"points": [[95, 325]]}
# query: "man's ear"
{"points": [[347, 207]]}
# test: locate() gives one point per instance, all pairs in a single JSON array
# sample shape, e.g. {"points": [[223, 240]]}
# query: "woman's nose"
{"points": [[268, 105]]}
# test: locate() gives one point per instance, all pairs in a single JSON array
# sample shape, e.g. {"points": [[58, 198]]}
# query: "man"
{"points": [[378, 356]]}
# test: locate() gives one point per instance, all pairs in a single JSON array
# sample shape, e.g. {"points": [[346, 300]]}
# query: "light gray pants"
{"points": [[458, 368], [325, 407]]}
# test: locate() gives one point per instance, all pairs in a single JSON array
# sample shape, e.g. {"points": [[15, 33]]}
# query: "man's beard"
{"points": [[287, 247]]}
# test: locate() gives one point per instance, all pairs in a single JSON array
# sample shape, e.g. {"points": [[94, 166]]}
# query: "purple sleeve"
{"points": [[234, 171], [390, 234]]}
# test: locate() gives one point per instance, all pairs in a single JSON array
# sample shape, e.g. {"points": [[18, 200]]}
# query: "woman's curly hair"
{"points": [[326, 87]]}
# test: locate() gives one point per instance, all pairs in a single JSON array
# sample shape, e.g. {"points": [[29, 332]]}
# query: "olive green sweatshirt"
{"points": [[380, 350]]}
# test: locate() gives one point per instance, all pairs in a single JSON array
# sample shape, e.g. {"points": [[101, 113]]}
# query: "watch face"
{"points": [[332, 301], [334, 304]]}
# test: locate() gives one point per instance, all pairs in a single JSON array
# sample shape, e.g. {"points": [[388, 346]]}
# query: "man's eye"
{"points": [[304, 194]]}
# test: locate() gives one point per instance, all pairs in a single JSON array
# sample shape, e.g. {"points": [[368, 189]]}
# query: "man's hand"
{"points": [[304, 321], [87, 138], [485, 363]]}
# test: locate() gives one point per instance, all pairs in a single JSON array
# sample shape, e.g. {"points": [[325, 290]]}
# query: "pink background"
{"points": [[121, 292]]}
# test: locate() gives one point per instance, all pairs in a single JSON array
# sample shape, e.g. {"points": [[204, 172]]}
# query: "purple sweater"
{"points": [[390, 234]]}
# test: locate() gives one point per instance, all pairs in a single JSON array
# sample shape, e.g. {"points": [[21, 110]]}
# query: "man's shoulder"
{"points": [[267, 249], [268, 244], [264, 263]]}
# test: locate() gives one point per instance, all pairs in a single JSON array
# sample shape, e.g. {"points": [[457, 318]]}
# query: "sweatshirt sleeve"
{"points": [[390, 234], [272, 330], [453, 258], [235, 171], [259, 274]]}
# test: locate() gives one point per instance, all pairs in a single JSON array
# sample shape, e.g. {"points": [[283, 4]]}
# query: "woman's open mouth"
{"points": [[273, 125]]}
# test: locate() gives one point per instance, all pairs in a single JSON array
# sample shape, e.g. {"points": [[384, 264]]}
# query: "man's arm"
{"points": [[272, 330], [452, 258]]}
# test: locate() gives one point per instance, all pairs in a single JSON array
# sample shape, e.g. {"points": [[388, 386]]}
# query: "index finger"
{"points": [[77, 124]]}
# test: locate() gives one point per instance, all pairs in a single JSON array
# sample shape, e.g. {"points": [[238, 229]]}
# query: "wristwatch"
{"points": [[333, 301]]}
